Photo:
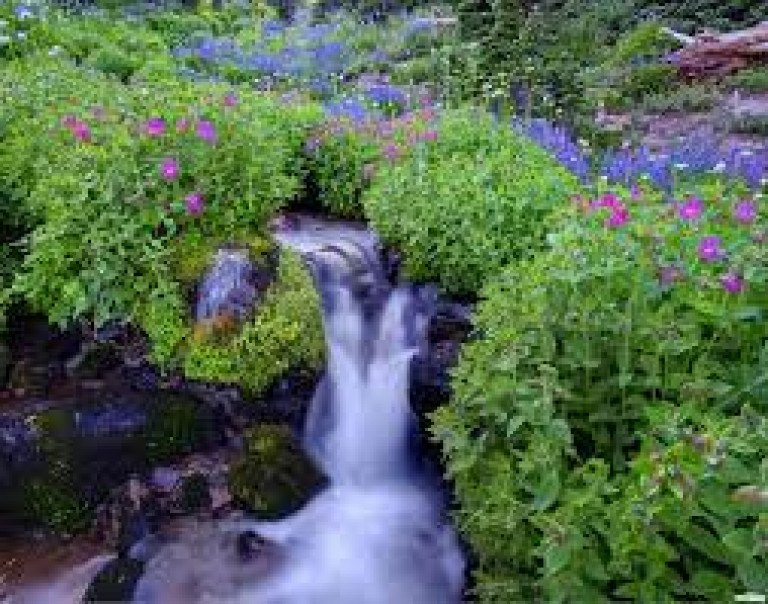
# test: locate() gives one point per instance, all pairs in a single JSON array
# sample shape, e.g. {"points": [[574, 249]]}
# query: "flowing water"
{"points": [[378, 534]]}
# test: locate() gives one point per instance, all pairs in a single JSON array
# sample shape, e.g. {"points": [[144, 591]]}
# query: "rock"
{"points": [[30, 379], [94, 361], [195, 494], [5, 364], [273, 477], [229, 291], [165, 479], [115, 582]]}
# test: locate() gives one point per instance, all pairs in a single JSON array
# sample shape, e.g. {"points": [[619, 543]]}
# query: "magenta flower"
{"points": [[430, 134], [690, 209], [745, 211], [154, 126], [169, 168], [709, 248], [607, 200], [732, 283], [230, 99], [669, 274], [82, 132], [619, 216], [391, 151], [182, 124], [194, 203], [69, 121], [206, 130]]}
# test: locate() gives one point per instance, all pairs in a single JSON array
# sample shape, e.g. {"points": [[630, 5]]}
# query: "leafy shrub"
{"points": [[690, 98], [753, 80], [608, 443], [134, 181], [470, 202]]}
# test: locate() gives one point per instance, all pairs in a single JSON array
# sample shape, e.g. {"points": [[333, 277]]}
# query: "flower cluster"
{"points": [[712, 228], [559, 143]]}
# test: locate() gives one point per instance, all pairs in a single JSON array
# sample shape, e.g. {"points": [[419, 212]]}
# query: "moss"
{"points": [[176, 427], [284, 333], [54, 503], [274, 477]]}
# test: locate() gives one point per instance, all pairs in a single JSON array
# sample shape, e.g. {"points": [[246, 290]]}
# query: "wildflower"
{"points": [[669, 274], [607, 200], [155, 126], [709, 248], [230, 99], [69, 121], [635, 192], [169, 168], [23, 12], [745, 211], [194, 203], [391, 151], [182, 124], [690, 210], [732, 283], [430, 134], [206, 130], [619, 216], [82, 132]]}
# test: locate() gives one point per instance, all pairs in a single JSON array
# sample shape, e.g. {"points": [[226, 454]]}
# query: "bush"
{"points": [[463, 206], [608, 431]]}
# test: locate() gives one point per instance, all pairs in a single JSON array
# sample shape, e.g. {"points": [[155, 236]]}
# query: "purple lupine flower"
{"points": [[155, 126], [206, 130], [709, 248], [391, 151], [745, 211], [169, 169], [690, 209], [194, 203], [732, 283]]}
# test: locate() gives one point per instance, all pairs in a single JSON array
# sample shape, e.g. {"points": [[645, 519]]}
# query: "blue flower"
{"points": [[347, 107], [386, 94], [23, 11]]}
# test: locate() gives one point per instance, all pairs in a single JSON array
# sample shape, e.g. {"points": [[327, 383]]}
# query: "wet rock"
{"points": [[29, 378], [5, 364], [115, 582], [229, 291], [273, 477], [165, 479], [94, 361], [195, 493]]}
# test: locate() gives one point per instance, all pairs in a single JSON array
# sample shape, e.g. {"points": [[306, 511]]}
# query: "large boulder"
{"points": [[274, 477]]}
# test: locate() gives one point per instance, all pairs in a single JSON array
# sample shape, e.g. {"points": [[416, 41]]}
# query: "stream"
{"points": [[379, 532]]}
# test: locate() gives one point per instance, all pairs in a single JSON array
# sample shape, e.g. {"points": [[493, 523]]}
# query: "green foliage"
{"points": [[274, 477], [175, 428], [609, 443], [465, 205], [54, 503], [691, 98], [754, 79], [285, 333]]}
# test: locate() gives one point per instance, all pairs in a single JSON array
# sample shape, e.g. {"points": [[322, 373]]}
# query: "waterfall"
{"points": [[379, 533]]}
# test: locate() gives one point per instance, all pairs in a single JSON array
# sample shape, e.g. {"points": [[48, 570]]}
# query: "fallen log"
{"points": [[715, 54]]}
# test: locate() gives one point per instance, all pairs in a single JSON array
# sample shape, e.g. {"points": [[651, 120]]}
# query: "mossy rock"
{"points": [[274, 477], [284, 333], [115, 582], [54, 503], [178, 426], [5, 364]]}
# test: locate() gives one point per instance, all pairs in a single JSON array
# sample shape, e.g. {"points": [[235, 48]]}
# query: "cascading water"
{"points": [[378, 534]]}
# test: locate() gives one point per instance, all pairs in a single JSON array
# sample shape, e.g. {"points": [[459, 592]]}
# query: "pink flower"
{"points": [[82, 132], [607, 200], [430, 134], [391, 151], [669, 274], [169, 168], [194, 203], [690, 209], [182, 124], [206, 130], [619, 216], [69, 121], [745, 211], [230, 99], [709, 248], [732, 283], [154, 126]]}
